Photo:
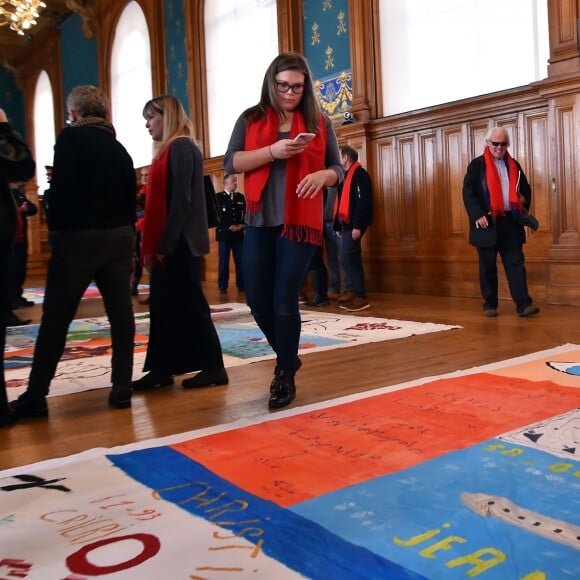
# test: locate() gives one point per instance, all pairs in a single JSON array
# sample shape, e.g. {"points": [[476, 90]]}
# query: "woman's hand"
{"points": [[286, 148], [312, 184]]}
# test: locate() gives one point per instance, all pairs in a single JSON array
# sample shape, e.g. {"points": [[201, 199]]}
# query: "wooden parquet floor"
{"points": [[84, 421]]}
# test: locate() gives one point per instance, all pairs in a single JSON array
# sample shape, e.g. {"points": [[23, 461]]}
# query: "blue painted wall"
{"points": [[175, 45], [11, 100], [327, 49], [79, 61]]}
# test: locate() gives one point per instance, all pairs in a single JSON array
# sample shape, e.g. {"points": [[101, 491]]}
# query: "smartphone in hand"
{"points": [[306, 136]]}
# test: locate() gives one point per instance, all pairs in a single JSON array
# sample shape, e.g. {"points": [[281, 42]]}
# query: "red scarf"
{"points": [[155, 206], [19, 229], [302, 217], [494, 184], [344, 207]]}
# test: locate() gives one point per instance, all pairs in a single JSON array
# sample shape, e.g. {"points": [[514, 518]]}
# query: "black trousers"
{"points": [[509, 247], [78, 257], [182, 336], [4, 311]]}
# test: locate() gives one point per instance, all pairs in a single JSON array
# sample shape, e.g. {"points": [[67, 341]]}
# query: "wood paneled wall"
{"points": [[417, 160]]}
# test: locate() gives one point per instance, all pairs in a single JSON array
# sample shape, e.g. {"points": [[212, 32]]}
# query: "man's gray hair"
{"points": [[504, 131], [88, 101]]}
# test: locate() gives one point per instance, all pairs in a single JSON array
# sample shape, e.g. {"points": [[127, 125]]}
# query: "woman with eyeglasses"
{"points": [[287, 149], [182, 337]]}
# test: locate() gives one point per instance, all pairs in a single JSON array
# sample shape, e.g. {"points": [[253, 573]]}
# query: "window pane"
{"points": [[437, 52], [236, 61], [131, 85], [44, 136]]}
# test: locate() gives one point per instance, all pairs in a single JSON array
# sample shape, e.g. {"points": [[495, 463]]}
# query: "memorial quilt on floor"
{"points": [[474, 474], [85, 363]]}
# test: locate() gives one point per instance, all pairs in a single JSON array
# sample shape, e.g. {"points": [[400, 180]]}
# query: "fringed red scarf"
{"points": [[494, 184], [344, 207], [155, 206], [302, 217]]}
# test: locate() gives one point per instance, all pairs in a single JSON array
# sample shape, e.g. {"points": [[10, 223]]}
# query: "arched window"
{"points": [[438, 52], [44, 136], [236, 63], [131, 84]]}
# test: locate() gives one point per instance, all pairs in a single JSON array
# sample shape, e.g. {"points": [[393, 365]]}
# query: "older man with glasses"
{"points": [[496, 194]]}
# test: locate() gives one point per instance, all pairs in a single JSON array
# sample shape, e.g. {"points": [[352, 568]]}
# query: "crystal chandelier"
{"points": [[20, 15]]}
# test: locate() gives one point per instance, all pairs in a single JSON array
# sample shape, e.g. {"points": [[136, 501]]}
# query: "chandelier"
{"points": [[20, 15]]}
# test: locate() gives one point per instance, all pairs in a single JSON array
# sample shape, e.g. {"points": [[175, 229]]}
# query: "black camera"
{"points": [[348, 118]]}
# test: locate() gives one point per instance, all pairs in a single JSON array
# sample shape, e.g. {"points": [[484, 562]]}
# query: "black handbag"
{"points": [[213, 215]]}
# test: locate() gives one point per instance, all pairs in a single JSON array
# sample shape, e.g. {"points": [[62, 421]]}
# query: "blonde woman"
{"points": [[182, 337]]}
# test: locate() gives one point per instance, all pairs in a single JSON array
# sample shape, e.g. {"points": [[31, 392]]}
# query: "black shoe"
{"points": [[206, 379], [529, 310], [7, 417], [21, 302], [14, 320], [282, 390], [490, 312], [29, 406], [319, 300], [151, 381], [120, 396]]}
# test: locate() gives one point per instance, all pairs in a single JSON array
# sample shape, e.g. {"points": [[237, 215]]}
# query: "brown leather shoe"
{"points": [[346, 297], [356, 304]]}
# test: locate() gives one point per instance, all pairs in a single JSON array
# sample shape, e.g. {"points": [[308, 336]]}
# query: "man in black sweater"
{"points": [[91, 218]]}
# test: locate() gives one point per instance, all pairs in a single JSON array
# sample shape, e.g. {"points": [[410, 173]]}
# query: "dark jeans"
{"points": [[224, 249], [17, 270], [509, 247], [319, 273], [332, 243], [274, 269], [351, 262], [78, 257]]}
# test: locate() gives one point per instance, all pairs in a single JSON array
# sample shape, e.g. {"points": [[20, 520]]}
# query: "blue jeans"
{"points": [[351, 262], [274, 268], [78, 257]]}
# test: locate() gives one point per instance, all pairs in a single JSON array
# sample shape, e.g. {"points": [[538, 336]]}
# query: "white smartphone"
{"points": [[307, 136]]}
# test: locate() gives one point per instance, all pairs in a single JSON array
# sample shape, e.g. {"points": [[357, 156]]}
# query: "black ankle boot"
{"points": [[282, 390]]}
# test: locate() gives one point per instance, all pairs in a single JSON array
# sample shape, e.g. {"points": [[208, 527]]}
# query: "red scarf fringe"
{"points": [[302, 217]]}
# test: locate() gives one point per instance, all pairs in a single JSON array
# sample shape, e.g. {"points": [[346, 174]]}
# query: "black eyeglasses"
{"points": [[499, 143], [283, 87]]}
